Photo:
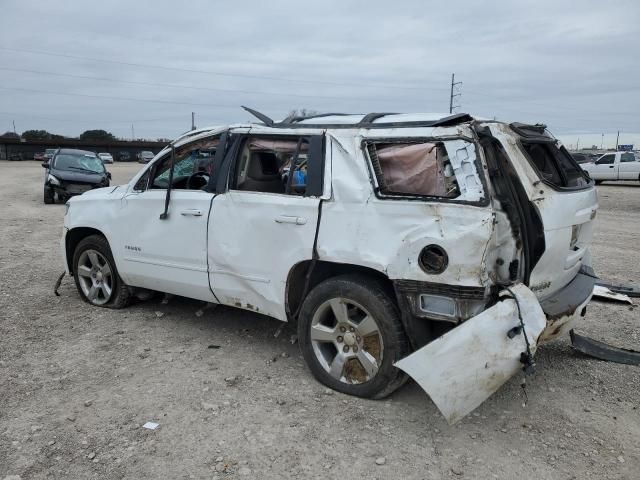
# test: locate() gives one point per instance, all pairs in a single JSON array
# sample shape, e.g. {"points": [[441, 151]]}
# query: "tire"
{"points": [[598, 182], [48, 195], [323, 337], [90, 258]]}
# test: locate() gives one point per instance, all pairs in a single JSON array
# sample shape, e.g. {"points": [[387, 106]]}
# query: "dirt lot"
{"points": [[77, 383]]}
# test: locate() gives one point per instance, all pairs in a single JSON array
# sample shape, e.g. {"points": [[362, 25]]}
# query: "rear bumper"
{"points": [[566, 306]]}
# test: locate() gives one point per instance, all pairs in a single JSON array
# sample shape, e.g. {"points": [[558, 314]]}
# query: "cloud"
{"points": [[572, 68]]}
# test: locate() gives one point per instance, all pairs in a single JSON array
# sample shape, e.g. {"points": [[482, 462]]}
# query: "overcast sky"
{"points": [[69, 66]]}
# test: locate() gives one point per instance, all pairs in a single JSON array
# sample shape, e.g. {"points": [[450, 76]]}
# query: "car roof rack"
{"points": [[367, 121], [300, 118], [260, 116]]}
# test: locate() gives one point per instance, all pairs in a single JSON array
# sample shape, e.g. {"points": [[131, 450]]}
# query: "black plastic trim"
{"points": [[454, 291], [566, 300]]}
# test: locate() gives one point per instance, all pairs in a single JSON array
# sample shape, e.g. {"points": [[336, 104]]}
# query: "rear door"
{"points": [[265, 222], [629, 167]]}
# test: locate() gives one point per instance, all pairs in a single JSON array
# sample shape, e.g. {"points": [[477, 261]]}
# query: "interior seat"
{"points": [[262, 174]]}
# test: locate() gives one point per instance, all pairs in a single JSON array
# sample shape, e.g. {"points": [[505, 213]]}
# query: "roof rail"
{"points": [[260, 116], [367, 121], [300, 118], [370, 117]]}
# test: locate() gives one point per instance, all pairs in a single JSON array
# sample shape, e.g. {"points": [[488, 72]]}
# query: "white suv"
{"points": [[443, 247]]}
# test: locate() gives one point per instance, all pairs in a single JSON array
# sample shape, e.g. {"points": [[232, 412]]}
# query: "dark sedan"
{"points": [[73, 172]]}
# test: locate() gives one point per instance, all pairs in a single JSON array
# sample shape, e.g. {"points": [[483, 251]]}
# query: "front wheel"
{"points": [[350, 335], [96, 276], [48, 195]]}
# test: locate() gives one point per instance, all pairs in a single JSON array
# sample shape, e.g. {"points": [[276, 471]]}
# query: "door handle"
{"points": [[192, 212], [290, 219], [611, 166]]}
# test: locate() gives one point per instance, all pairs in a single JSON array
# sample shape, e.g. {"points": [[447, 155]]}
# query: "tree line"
{"points": [[44, 135]]}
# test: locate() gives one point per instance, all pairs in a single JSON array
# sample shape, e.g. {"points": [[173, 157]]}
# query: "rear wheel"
{"points": [[96, 276], [351, 335]]}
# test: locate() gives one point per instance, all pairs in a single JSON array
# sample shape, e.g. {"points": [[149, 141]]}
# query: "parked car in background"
{"points": [[124, 157], [73, 172], [48, 153], [105, 157], [145, 156], [39, 156], [614, 166], [580, 158], [375, 234], [16, 156]]}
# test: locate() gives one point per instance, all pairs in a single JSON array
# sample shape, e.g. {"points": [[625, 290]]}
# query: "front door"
{"points": [[605, 168], [169, 254], [265, 223]]}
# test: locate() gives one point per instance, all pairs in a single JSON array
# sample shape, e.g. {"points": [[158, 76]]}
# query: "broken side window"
{"points": [[427, 169], [193, 166], [555, 165], [273, 165]]}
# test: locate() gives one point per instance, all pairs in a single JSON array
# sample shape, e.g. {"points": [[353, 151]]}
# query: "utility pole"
{"points": [[602, 141], [617, 140], [133, 135], [14, 126], [451, 96], [578, 144], [193, 120]]}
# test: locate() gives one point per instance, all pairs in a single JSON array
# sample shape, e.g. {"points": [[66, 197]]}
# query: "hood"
{"points": [[99, 191], [78, 176]]}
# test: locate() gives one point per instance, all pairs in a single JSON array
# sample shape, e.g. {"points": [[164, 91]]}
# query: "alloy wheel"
{"points": [[95, 276], [346, 341]]}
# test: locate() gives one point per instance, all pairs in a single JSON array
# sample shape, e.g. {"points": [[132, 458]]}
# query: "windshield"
{"points": [[147, 154], [87, 163]]}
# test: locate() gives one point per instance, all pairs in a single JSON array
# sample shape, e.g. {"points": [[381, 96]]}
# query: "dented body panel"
{"points": [[449, 258]]}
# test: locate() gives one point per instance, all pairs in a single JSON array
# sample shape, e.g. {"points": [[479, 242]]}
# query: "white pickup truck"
{"points": [[614, 166], [446, 248]]}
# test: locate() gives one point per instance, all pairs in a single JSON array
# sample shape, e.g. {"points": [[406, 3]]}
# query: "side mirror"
{"points": [[45, 164]]}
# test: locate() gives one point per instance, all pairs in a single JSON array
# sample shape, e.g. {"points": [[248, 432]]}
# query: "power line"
{"points": [[192, 87], [92, 119], [128, 99], [222, 74]]}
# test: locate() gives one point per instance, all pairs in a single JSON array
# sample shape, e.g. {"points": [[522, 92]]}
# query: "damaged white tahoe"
{"points": [[445, 248]]}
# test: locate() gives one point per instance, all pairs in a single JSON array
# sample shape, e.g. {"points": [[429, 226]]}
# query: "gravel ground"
{"points": [[233, 401]]}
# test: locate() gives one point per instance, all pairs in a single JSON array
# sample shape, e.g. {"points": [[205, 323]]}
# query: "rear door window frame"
{"points": [[315, 162]]}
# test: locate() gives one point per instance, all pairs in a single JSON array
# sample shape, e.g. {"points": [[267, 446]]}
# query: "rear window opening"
{"points": [[555, 165], [413, 169]]}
